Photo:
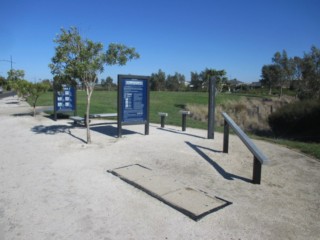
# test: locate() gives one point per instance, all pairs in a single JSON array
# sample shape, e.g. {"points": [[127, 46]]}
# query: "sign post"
{"points": [[65, 100], [133, 101], [211, 107]]}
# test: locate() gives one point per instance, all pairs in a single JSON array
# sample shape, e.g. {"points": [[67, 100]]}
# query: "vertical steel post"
{"points": [[211, 107], [55, 105], [162, 121], [226, 137], [256, 179], [184, 121]]}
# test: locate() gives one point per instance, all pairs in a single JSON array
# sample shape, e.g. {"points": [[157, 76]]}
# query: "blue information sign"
{"points": [[65, 100], [133, 101]]}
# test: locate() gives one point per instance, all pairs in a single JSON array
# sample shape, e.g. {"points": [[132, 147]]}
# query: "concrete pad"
{"points": [[132, 172], [195, 204], [159, 184]]}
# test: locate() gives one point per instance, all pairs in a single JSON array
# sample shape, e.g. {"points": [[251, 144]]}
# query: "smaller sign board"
{"points": [[65, 100], [133, 101]]}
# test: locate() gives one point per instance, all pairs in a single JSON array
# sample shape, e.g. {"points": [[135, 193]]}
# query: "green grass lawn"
{"points": [[172, 103]]}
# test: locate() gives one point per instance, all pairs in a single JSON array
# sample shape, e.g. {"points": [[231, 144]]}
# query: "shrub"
{"points": [[298, 120]]}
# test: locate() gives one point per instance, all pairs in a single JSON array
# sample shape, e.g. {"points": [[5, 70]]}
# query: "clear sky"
{"points": [[239, 36]]}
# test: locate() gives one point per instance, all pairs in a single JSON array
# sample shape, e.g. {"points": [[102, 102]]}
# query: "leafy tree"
{"points": [[220, 76], [35, 90], [287, 68], [175, 82], [270, 76], [83, 59], [310, 66], [15, 74], [2, 81], [30, 91], [108, 83], [158, 81], [21, 87], [196, 81]]}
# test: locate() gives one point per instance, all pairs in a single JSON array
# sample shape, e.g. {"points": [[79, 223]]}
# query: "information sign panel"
{"points": [[65, 100], [133, 100]]}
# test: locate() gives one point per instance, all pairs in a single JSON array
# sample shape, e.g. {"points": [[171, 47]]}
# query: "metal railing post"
{"points": [[184, 119], [162, 121], [256, 178], [259, 157], [226, 137]]}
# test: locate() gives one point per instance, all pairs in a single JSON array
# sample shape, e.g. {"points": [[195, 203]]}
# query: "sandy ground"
{"points": [[54, 186]]}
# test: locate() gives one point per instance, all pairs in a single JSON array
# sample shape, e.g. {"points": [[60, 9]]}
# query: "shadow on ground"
{"points": [[179, 132], [23, 114], [216, 166], [55, 129], [110, 130]]}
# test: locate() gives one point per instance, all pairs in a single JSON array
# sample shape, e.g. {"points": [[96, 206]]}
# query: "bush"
{"points": [[298, 120]]}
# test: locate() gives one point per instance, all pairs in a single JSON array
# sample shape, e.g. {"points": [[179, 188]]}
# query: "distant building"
{"points": [[255, 85]]}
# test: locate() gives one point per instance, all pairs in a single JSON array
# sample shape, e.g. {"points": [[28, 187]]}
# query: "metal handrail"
{"points": [[246, 140], [259, 157]]}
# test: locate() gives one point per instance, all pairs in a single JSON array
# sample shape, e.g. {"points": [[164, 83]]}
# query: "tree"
{"points": [[158, 81], [2, 81], [270, 76], [287, 68], [15, 74], [30, 91], [35, 90], [175, 82], [21, 87], [107, 83], [196, 81], [220, 76], [83, 59], [310, 66]]}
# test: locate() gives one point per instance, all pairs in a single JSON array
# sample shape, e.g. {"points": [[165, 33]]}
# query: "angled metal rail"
{"points": [[258, 157]]}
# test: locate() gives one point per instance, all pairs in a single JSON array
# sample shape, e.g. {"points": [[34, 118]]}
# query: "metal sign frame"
{"points": [[133, 101]]}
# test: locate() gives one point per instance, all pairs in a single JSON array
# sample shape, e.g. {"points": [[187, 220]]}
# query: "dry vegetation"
{"points": [[251, 114]]}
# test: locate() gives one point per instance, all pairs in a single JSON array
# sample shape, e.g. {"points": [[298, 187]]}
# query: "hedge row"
{"points": [[299, 120]]}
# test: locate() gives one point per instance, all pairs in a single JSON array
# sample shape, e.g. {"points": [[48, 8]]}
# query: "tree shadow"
{"points": [[23, 114], [216, 166], [55, 129], [13, 102], [179, 132]]}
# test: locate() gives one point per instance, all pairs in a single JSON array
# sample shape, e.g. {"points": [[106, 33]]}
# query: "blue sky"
{"points": [[175, 36]]}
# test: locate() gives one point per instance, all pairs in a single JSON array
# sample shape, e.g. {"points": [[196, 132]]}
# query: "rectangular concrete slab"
{"points": [[193, 203], [159, 185], [132, 172]]}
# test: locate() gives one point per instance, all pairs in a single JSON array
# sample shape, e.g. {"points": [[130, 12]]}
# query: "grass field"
{"points": [[172, 103]]}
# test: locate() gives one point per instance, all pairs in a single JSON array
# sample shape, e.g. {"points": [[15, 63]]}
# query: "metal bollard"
{"points": [[163, 118], [184, 119]]}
